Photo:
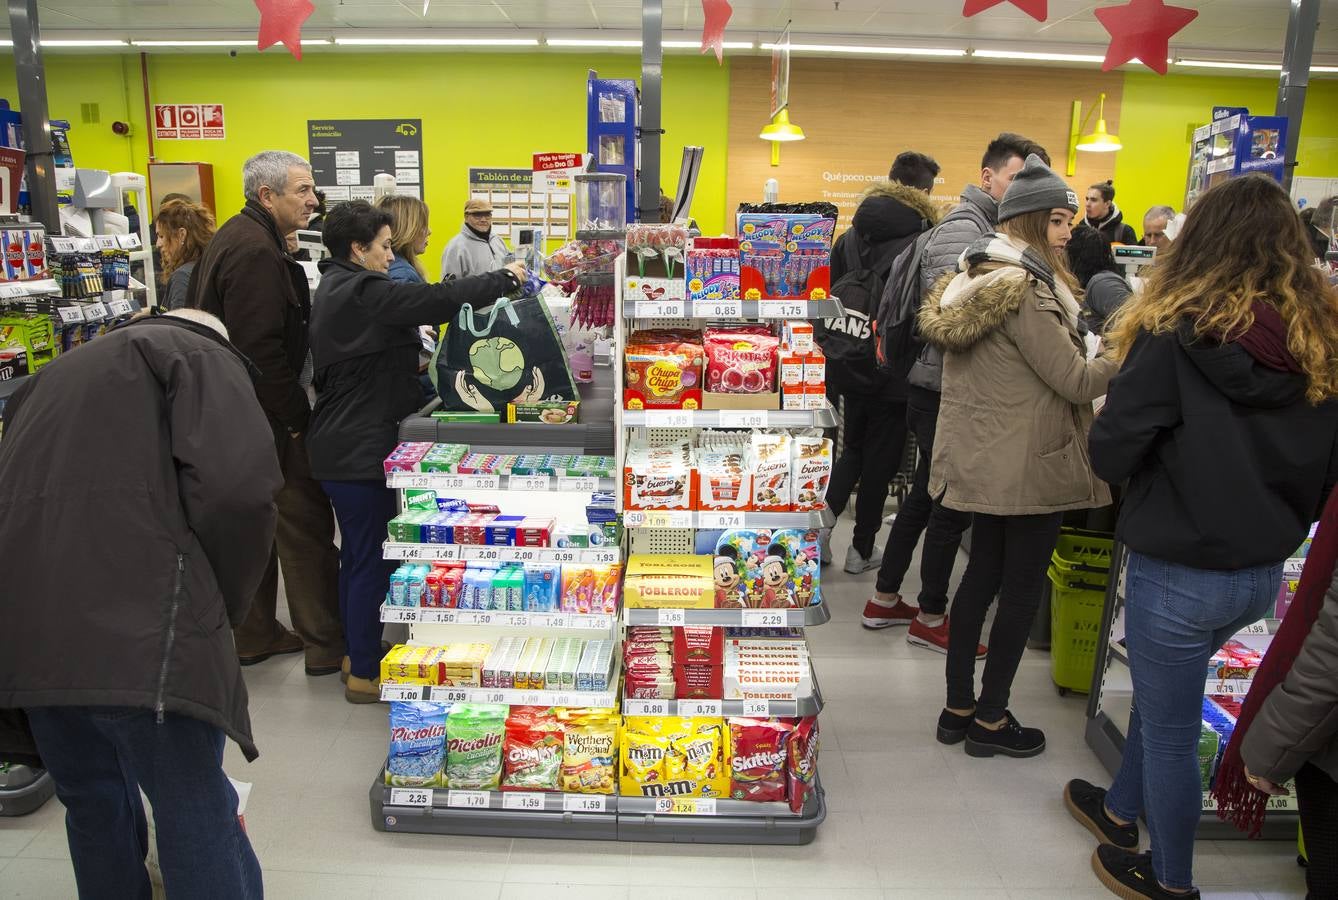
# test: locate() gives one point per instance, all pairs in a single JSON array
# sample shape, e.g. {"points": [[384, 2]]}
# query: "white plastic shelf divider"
{"points": [[485, 553], [722, 519], [816, 614], [733, 309], [447, 481], [730, 418], [508, 696], [430, 615]]}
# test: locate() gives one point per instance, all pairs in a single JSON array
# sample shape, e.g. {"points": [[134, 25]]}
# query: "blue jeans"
{"points": [[1176, 618], [362, 508], [100, 757]]}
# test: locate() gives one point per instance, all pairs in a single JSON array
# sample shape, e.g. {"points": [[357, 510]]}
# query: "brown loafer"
{"points": [[285, 643], [316, 670], [345, 669], [362, 690]]}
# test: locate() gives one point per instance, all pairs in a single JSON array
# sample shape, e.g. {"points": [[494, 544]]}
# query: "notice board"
{"points": [[347, 154], [516, 205]]}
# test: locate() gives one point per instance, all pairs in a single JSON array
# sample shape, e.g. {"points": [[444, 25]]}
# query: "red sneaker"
{"points": [[881, 614], [936, 638]]}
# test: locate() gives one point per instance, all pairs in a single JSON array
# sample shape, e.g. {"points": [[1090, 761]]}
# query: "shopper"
{"points": [[889, 218], [976, 215], [129, 680], [1104, 287], [1320, 225], [1288, 725], [365, 344], [1159, 226], [184, 230], [1105, 216], [248, 280], [408, 237], [1223, 420], [1007, 324], [476, 250]]}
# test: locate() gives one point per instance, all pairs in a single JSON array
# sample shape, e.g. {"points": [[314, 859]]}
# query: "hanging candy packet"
{"points": [[802, 762]]}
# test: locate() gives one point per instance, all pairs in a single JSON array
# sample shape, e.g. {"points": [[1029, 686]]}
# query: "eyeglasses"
{"points": [[478, 215]]}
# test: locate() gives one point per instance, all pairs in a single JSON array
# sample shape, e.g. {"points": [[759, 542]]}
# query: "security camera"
{"points": [[121, 128]]}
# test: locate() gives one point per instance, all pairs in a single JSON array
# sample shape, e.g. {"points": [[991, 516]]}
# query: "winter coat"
{"points": [[402, 270], [1112, 227], [977, 214], [137, 485], [888, 220], [1227, 462], [248, 280], [178, 286], [1017, 396], [364, 343], [468, 254], [1298, 723], [1105, 293]]}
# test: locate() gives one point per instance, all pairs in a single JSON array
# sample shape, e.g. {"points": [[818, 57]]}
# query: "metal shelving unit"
{"points": [[719, 519]]}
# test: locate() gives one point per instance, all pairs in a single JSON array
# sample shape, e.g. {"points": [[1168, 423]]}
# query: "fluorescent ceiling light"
{"points": [[886, 51], [59, 43], [592, 42], [437, 42], [1037, 57], [1248, 66], [305, 43], [696, 45]]}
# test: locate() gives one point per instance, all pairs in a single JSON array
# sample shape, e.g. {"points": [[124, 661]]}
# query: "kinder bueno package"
{"points": [[758, 762], [802, 762], [769, 459], [663, 370], [741, 359], [658, 477], [810, 471], [723, 480]]}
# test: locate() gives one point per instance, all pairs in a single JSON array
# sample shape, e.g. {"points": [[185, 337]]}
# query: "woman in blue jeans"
{"points": [[1224, 422]]}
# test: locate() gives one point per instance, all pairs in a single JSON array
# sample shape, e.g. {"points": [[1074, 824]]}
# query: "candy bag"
{"points": [[589, 757], [758, 758], [643, 759], [802, 763], [474, 736], [417, 744], [532, 758]]}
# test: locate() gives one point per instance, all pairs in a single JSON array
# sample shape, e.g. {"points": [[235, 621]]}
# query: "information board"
{"points": [[517, 205], [347, 154]]}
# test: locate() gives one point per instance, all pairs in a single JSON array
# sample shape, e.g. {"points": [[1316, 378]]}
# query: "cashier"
{"points": [[364, 344], [476, 250]]}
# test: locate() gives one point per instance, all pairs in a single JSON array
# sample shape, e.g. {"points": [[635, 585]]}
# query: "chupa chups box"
{"points": [[663, 369], [698, 682], [671, 581], [699, 645]]}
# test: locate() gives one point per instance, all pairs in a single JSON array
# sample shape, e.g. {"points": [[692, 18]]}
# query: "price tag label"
{"points": [[701, 708], [782, 309], [494, 697], [401, 614], [685, 806], [448, 695], [646, 707], [421, 797], [415, 552], [524, 802], [531, 699], [121, 307], [602, 557], [562, 556], [128, 241], [526, 554], [634, 518], [668, 418], [530, 482], [95, 311], [86, 245], [672, 617], [411, 481], [743, 418], [1260, 627], [658, 309], [482, 482], [731, 519], [467, 799], [63, 245], [485, 618], [757, 709], [439, 616], [71, 314], [401, 692], [483, 554], [12, 291], [578, 483], [583, 803], [763, 618], [555, 622], [106, 242], [718, 309], [669, 518], [518, 621]]}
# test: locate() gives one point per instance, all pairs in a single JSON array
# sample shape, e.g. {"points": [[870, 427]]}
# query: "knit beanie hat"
{"points": [[1035, 188]]}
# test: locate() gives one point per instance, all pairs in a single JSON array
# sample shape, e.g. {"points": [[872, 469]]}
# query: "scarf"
{"points": [[999, 248], [481, 235], [1237, 800], [1266, 340]]}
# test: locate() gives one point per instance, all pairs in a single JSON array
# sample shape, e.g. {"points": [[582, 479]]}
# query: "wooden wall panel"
{"points": [[859, 114]]}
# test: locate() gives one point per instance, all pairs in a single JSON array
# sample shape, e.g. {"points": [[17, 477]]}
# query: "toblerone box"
{"points": [[671, 582]]}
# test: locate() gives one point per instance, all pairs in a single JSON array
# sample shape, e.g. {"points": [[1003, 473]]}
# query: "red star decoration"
{"points": [[1143, 31], [717, 13], [281, 23], [1037, 9]]}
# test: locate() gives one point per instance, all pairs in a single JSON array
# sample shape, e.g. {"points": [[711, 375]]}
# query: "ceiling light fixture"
{"points": [[211, 43], [593, 42], [881, 51], [437, 42], [59, 43], [696, 45], [1246, 66], [1037, 57]]}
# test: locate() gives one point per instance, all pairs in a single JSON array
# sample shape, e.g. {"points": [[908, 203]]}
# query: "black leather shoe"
{"points": [[1087, 804], [1129, 875], [1010, 740], [952, 727]]}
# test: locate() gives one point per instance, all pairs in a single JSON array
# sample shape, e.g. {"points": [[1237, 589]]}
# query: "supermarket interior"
{"points": [[603, 493]]}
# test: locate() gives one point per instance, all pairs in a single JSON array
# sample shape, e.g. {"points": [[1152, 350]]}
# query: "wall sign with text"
{"points": [[188, 122], [347, 154]]}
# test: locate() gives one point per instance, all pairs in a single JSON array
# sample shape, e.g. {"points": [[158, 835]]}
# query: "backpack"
{"points": [[849, 339]]}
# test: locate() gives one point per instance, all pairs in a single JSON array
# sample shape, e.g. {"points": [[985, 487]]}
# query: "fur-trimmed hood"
{"points": [[961, 310], [890, 210]]}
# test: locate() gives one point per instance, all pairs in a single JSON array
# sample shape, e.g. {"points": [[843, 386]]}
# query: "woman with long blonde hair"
{"points": [[408, 237], [1223, 419], [184, 230]]}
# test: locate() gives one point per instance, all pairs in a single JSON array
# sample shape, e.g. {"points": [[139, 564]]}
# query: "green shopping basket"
{"points": [[1079, 572]]}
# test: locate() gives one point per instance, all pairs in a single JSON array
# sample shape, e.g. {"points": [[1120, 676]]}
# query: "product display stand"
{"points": [[1108, 705]]}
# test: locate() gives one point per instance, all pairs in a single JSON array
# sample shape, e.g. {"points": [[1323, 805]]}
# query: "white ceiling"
{"points": [[1223, 26]]}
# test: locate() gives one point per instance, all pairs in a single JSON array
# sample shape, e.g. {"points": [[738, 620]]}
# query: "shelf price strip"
{"points": [[583, 803], [685, 806], [523, 802], [420, 797], [467, 799]]}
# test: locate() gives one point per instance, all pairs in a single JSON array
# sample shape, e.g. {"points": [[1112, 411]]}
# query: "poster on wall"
{"points": [[347, 154], [189, 122], [516, 204]]}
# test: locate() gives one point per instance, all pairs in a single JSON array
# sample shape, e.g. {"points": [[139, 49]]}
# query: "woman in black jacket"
{"points": [[364, 343], [1224, 421]]}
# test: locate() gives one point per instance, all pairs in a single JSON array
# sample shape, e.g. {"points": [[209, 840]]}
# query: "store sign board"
{"points": [[553, 172], [347, 154], [189, 122]]}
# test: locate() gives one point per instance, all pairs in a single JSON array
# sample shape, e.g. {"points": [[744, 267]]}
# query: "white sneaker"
{"points": [[856, 564]]}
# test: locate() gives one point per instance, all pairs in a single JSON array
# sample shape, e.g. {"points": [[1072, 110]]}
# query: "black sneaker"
{"points": [[1129, 875], [952, 727], [1010, 740], [1087, 803]]}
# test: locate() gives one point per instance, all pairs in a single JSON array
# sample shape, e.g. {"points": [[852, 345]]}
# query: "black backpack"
{"points": [[850, 339]]}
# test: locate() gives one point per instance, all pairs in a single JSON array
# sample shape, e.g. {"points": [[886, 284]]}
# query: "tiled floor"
{"points": [[908, 818]]}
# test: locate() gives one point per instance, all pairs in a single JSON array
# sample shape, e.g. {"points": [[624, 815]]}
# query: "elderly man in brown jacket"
{"points": [[248, 280]]}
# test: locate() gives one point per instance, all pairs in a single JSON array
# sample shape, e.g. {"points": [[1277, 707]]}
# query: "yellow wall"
{"points": [[1159, 115], [477, 110]]}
